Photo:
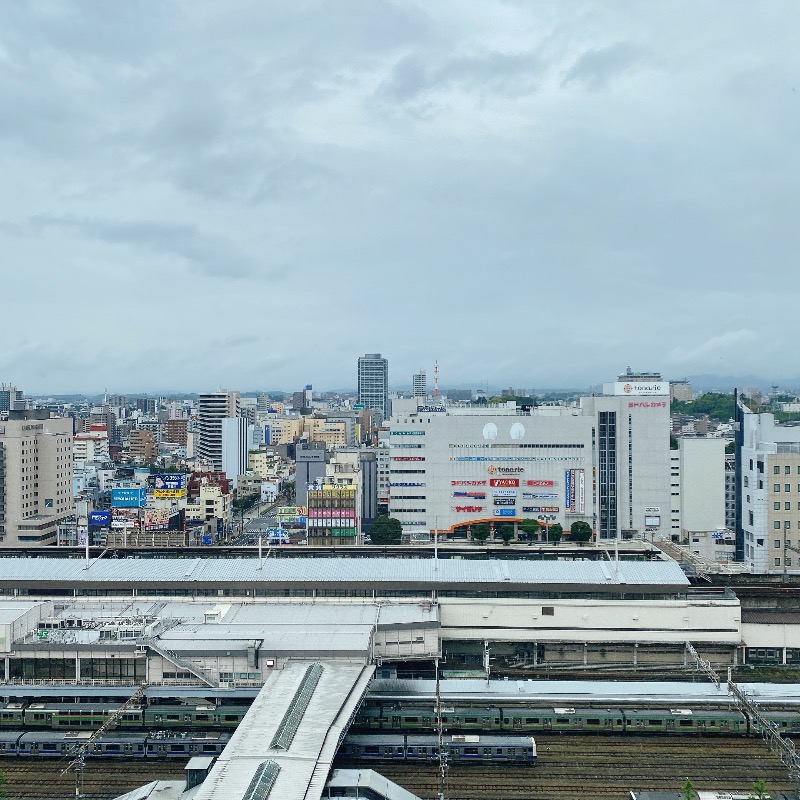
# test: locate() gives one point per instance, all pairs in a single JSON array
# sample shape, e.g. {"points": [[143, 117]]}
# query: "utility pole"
{"points": [[442, 754]]}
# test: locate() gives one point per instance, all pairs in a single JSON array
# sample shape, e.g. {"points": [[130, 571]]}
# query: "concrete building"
{"points": [[176, 431], [768, 492], [604, 461], [142, 448], [681, 391], [35, 477], [697, 485], [212, 408], [311, 459], [11, 398], [419, 386], [91, 445], [237, 440], [373, 385]]}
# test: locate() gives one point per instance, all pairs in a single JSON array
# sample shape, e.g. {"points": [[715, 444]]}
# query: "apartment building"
{"points": [[35, 477]]}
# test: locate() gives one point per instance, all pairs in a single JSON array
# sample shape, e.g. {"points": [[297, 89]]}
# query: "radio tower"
{"points": [[436, 394]]}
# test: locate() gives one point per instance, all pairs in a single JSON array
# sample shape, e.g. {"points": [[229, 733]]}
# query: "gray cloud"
{"points": [[529, 193], [206, 254], [597, 67]]}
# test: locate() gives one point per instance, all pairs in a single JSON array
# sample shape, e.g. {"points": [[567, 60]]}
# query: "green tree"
{"points": [[730, 448], [688, 791], [387, 530], [530, 527], [506, 533], [759, 791], [480, 532], [555, 533], [580, 532]]}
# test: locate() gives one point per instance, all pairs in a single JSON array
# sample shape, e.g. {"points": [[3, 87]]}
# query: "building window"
{"points": [[777, 524], [746, 481], [776, 506], [777, 562], [787, 470], [776, 470], [777, 544], [776, 487]]}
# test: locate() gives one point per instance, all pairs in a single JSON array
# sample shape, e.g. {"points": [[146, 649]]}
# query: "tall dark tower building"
{"points": [[373, 385]]}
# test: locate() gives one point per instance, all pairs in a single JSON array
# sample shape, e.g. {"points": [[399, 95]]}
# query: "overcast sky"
{"points": [[252, 194]]}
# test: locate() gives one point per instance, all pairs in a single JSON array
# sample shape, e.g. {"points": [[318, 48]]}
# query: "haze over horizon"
{"points": [[200, 195]]}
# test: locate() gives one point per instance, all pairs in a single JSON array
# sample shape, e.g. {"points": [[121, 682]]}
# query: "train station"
{"points": [[281, 653]]}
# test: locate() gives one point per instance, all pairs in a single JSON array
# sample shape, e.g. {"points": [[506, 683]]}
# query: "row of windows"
{"points": [[786, 524], [787, 470]]}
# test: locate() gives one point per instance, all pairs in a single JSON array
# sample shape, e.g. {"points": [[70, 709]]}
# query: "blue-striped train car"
{"points": [[174, 744]]}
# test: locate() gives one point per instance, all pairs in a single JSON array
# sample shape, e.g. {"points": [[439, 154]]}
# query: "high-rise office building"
{"points": [[10, 398], [373, 385], [418, 385], [35, 477], [212, 408]]}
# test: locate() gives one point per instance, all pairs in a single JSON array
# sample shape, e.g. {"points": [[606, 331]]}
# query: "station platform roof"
{"points": [[284, 747], [365, 574]]}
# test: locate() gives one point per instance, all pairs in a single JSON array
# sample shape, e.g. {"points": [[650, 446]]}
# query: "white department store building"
{"points": [[605, 461]]}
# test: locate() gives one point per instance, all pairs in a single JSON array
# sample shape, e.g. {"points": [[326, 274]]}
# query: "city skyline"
{"points": [[554, 190]]}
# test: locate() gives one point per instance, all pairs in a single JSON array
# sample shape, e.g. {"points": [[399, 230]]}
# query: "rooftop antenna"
{"points": [[436, 380], [442, 754]]}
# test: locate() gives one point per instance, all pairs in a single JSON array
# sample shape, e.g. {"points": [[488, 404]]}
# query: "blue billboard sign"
{"points": [[100, 519], [505, 512], [129, 498], [171, 480], [207, 540]]}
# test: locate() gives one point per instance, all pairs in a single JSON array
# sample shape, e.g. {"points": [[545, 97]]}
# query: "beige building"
{"points": [[331, 433], [143, 448], [35, 478]]}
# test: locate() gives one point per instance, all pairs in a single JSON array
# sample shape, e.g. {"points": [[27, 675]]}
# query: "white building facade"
{"points": [[604, 461]]}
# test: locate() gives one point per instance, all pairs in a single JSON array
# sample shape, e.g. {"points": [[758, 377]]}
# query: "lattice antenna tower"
{"points": [[436, 394]]}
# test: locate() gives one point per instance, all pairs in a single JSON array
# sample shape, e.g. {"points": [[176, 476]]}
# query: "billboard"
{"points": [[171, 484], [504, 492], [124, 518], [504, 501], [129, 498], [505, 512], [170, 480], [504, 482], [540, 483], [636, 388], [574, 491], [156, 519], [100, 519]]}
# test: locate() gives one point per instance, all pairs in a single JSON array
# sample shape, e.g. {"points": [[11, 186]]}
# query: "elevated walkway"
{"points": [[284, 746]]}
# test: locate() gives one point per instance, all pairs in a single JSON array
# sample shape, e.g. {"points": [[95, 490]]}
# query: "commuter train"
{"points": [[521, 719], [155, 744], [462, 749], [87, 716]]}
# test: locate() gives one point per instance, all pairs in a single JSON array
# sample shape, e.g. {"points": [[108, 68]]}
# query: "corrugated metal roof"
{"points": [[371, 571]]}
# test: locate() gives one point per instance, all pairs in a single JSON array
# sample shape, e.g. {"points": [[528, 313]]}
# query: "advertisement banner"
{"points": [[568, 496], [156, 519], [637, 388], [170, 480], [100, 519], [468, 483], [504, 482], [473, 495], [540, 509], [124, 518], [540, 483], [505, 512], [169, 492], [504, 501], [129, 498], [468, 509], [504, 492], [581, 491]]}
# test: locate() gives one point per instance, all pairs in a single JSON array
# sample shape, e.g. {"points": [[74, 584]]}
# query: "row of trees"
{"points": [[388, 530], [579, 531]]}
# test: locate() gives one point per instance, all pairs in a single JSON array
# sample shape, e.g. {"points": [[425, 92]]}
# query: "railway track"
{"points": [[575, 767], [570, 767], [41, 779]]}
